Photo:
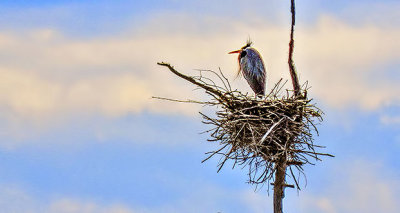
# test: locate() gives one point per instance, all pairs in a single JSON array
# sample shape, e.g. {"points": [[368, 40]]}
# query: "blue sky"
{"points": [[79, 131]]}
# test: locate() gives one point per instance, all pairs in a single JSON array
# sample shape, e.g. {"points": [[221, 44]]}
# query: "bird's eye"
{"points": [[243, 54]]}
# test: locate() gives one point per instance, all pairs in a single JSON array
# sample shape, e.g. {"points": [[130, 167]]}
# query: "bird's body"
{"points": [[252, 67]]}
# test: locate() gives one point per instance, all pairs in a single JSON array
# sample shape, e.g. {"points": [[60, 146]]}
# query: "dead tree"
{"points": [[282, 162], [269, 136]]}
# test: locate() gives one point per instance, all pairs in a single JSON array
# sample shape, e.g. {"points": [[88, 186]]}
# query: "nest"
{"points": [[256, 132]]}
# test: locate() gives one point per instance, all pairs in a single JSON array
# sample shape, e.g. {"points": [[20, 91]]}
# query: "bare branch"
{"points": [[193, 81], [292, 68]]}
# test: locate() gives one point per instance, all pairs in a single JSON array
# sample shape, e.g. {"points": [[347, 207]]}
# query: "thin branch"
{"points": [[193, 81], [292, 68]]}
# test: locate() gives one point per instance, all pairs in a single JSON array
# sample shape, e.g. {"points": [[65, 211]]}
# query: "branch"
{"points": [[193, 81], [270, 129], [285, 185], [292, 68], [281, 165]]}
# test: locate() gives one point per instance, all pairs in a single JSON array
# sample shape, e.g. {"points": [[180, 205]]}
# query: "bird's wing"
{"points": [[258, 71]]}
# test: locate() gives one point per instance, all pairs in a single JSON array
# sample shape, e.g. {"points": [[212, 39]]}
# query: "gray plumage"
{"points": [[252, 67]]}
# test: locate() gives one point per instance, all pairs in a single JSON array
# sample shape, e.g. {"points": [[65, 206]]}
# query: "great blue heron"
{"points": [[252, 67]]}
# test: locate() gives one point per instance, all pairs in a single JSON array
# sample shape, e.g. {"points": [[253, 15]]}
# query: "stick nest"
{"points": [[257, 131]]}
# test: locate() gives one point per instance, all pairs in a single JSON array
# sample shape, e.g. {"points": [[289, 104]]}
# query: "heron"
{"points": [[252, 67]]}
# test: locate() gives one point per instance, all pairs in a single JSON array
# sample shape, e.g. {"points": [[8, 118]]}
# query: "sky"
{"points": [[79, 131]]}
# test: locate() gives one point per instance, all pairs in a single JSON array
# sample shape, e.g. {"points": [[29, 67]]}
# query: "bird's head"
{"points": [[242, 53], [243, 49]]}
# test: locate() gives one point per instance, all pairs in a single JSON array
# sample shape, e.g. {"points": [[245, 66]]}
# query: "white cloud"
{"points": [[74, 206], [45, 75], [13, 199], [390, 120], [365, 187], [346, 64], [337, 59], [258, 202], [203, 198], [360, 187]]}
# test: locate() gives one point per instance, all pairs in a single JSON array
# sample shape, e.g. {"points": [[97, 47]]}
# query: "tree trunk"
{"points": [[281, 164], [279, 185]]}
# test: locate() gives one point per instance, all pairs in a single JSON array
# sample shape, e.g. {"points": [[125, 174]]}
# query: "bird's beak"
{"points": [[236, 51]]}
